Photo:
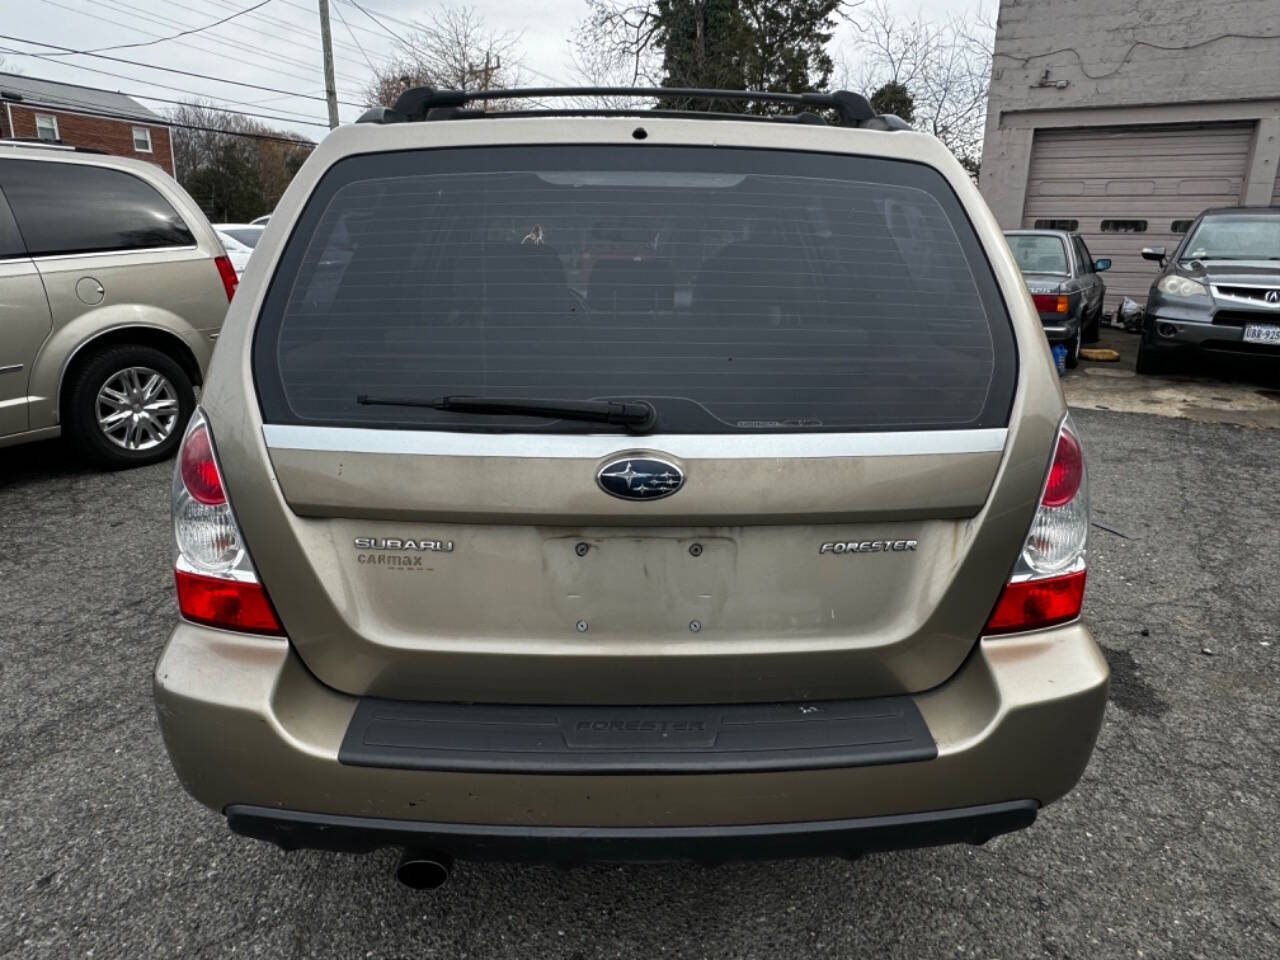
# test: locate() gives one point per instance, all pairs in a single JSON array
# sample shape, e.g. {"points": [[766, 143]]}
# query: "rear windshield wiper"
{"points": [[638, 416]]}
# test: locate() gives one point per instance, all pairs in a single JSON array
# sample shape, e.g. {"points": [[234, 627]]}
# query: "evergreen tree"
{"points": [[787, 48], [894, 98], [703, 43]]}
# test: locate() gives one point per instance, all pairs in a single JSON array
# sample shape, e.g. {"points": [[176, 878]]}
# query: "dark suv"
{"points": [[1064, 283], [1219, 291]]}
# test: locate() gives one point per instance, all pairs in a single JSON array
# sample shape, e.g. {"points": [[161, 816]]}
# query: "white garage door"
{"points": [[1128, 188]]}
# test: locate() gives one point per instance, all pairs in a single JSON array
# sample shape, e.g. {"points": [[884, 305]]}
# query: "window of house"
{"points": [[1180, 226], [1124, 226], [1068, 225], [142, 139], [47, 127]]}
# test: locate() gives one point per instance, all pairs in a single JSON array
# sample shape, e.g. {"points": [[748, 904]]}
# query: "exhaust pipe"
{"points": [[424, 869]]}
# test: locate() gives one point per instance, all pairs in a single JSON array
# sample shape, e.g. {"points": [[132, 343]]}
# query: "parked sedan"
{"points": [[1064, 283], [1219, 291], [239, 240]]}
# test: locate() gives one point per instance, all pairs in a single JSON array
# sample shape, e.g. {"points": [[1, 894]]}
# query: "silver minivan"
{"points": [[114, 288]]}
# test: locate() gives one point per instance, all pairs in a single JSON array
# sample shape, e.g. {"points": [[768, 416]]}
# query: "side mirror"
{"points": [[1154, 253], [1102, 264]]}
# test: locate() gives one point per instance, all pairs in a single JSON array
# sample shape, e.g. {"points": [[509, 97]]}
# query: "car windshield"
{"points": [[1245, 237], [245, 235], [735, 290], [1038, 253]]}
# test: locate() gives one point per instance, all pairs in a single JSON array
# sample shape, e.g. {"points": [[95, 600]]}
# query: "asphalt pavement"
{"points": [[1168, 848]]}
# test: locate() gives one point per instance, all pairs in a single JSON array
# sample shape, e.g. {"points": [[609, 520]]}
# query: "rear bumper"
{"points": [[1059, 329], [249, 729], [292, 830]]}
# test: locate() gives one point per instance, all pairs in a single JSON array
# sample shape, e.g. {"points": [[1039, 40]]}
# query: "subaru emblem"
{"points": [[640, 478]]}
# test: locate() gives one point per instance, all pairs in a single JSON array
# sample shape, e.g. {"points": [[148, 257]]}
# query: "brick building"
{"points": [[82, 117]]}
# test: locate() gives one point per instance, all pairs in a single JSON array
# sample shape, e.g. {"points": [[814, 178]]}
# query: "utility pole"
{"points": [[326, 41]]}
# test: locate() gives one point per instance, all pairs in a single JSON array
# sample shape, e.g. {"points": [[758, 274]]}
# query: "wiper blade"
{"points": [[638, 416]]}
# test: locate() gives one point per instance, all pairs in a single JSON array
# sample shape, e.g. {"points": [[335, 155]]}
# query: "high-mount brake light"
{"points": [[1047, 586], [216, 581]]}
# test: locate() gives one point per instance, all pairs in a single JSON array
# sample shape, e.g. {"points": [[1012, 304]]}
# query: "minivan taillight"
{"points": [[228, 274], [1047, 586], [216, 581]]}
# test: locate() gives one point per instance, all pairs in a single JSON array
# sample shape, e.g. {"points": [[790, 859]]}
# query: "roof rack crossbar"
{"points": [[427, 103]]}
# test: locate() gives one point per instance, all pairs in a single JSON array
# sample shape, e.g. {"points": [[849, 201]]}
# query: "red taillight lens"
{"points": [[1049, 302], [198, 469], [1033, 604], [228, 274], [1065, 473], [230, 604]]}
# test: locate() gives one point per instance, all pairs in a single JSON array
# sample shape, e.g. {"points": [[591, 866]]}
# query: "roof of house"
{"points": [[18, 88]]}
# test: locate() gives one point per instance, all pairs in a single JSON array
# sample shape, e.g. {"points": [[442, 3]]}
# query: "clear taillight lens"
{"points": [[1047, 586], [217, 584]]}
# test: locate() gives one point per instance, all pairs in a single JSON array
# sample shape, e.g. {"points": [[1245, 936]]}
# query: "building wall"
{"points": [[1099, 74], [112, 136]]}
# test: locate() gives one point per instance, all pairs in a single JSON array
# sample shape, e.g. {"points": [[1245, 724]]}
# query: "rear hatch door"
{"points": [[824, 508]]}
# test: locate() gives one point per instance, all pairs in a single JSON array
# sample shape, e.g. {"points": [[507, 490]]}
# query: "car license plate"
{"points": [[1261, 333]]}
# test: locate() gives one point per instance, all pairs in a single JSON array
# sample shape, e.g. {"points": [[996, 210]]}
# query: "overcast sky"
{"points": [[276, 46]]}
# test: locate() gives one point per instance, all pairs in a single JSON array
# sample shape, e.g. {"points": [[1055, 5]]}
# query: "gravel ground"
{"points": [[1168, 848]]}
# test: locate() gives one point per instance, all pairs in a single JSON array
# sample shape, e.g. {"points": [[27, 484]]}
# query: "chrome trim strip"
{"points": [[11, 368], [754, 446], [132, 251], [1256, 302]]}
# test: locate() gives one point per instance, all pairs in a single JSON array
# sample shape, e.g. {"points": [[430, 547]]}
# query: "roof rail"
{"points": [[37, 143], [428, 103]]}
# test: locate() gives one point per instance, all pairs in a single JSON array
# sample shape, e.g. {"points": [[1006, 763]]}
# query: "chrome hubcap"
{"points": [[137, 408]]}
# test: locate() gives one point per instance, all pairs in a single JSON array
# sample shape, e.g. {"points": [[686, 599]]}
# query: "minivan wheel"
{"points": [[128, 406]]}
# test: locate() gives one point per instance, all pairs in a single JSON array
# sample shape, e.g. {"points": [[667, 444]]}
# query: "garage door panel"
{"points": [[1152, 174]]}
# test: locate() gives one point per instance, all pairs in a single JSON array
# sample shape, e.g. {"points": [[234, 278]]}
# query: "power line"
{"points": [[391, 33], [163, 86], [152, 66], [386, 16], [235, 43], [338, 9], [298, 6], [129, 10], [293, 28], [184, 33], [195, 126], [182, 103]]}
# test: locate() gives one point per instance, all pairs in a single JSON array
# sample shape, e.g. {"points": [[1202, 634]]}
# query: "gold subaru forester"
{"points": [[641, 485]]}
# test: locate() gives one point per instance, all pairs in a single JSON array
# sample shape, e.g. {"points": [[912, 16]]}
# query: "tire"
{"points": [[1073, 350], [1153, 362], [143, 395], [1091, 330]]}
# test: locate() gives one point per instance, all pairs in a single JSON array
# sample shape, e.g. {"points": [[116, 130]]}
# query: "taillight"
{"points": [[1047, 586], [1049, 302], [228, 274], [216, 581]]}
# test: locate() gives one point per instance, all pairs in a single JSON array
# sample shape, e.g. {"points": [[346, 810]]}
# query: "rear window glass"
{"points": [[1038, 254], [76, 208], [736, 290]]}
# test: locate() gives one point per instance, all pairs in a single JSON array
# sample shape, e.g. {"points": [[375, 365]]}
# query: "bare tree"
{"points": [[616, 44], [944, 65], [454, 49], [234, 167]]}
